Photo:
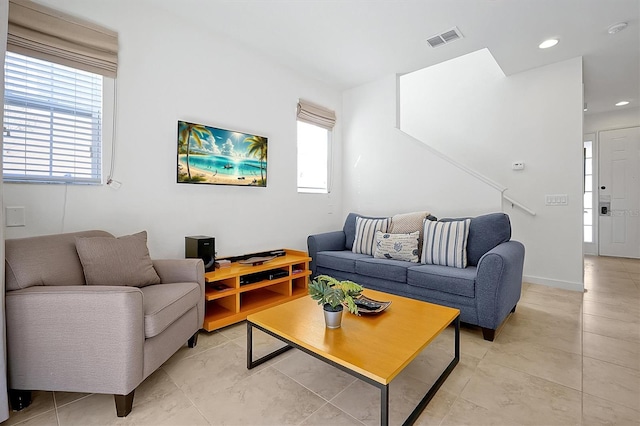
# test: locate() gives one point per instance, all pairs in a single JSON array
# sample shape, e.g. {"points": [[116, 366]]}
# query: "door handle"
{"points": [[603, 210]]}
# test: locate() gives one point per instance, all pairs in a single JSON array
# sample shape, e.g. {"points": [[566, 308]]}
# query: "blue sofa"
{"points": [[486, 291]]}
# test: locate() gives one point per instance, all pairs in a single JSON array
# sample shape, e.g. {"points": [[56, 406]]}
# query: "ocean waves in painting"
{"points": [[225, 165]]}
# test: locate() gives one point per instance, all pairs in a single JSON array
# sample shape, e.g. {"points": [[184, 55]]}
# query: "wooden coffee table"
{"points": [[373, 348]]}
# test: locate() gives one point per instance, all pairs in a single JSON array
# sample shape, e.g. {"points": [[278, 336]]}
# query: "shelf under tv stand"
{"points": [[233, 303]]}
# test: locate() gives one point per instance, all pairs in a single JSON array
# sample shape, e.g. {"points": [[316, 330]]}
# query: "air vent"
{"points": [[446, 37]]}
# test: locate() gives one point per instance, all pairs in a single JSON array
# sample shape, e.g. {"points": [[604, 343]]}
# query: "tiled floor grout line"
{"points": [[582, 420]]}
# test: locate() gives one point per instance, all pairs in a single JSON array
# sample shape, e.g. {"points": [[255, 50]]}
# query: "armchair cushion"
{"points": [[117, 261], [45, 260], [163, 303]]}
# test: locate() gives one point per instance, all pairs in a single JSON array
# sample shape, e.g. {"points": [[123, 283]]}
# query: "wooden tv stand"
{"points": [[234, 302]]}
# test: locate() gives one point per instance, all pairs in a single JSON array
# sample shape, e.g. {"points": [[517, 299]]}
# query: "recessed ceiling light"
{"points": [[616, 28], [548, 43], [622, 103]]}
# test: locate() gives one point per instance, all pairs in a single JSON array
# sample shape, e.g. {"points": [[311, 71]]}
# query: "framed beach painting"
{"points": [[208, 155]]}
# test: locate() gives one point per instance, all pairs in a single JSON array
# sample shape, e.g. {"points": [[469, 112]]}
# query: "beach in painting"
{"points": [[208, 155], [221, 170]]}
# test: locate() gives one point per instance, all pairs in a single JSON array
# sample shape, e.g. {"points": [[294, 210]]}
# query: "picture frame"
{"points": [[215, 156]]}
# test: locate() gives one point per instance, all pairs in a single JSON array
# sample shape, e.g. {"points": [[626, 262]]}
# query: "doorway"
{"points": [[618, 190]]}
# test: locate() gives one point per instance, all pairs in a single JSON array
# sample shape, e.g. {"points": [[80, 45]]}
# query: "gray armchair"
{"points": [[64, 334]]}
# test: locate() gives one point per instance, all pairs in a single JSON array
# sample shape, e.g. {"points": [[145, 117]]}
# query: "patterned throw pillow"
{"points": [[364, 243], [397, 246], [445, 243]]}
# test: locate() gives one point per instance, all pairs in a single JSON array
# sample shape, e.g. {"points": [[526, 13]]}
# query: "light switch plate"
{"points": [[14, 216], [556, 200]]}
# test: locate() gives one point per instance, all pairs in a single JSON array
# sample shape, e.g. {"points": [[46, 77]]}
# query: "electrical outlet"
{"points": [[517, 165]]}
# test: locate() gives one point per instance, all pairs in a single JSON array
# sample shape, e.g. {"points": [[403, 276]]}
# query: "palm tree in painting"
{"points": [[190, 131], [258, 148]]}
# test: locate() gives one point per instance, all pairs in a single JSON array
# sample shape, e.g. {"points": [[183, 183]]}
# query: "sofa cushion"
{"points": [[397, 246], [486, 232], [117, 261], [349, 228], [165, 303], [390, 270], [344, 261], [45, 260], [365, 238], [445, 243], [444, 278]]}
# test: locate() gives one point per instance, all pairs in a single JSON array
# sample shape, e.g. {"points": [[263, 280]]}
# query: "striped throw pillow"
{"points": [[445, 243], [365, 240]]}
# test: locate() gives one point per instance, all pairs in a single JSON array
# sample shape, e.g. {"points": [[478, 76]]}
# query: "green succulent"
{"points": [[329, 291]]}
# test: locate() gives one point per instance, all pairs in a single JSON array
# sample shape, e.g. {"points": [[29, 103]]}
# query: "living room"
{"points": [[171, 69]]}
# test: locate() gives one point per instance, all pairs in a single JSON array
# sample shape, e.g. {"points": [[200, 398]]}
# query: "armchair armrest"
{"points": [[75, 338], [499, 283], [328, 241], [180, 271]]}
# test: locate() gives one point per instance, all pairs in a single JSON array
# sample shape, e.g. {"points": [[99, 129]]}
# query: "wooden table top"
{"points": [[376, 346]]}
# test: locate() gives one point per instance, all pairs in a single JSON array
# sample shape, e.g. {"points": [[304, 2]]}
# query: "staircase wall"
{"points": [[469, 111]]}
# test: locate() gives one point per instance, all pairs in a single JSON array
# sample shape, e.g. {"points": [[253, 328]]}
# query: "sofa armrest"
{"points": [[180, 271], [328, 241], [75, 338], [499, 283]]}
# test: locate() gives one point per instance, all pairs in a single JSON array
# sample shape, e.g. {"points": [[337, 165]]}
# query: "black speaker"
{"points": [[201, 247]]}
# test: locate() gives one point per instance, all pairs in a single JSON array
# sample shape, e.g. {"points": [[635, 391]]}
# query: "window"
{"points": [[313, 156], [52, 120], [53, 87], [588, 192], [315, 125]]}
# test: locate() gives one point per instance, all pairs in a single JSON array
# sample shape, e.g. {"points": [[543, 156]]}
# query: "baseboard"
{"points": [[566, 285]]}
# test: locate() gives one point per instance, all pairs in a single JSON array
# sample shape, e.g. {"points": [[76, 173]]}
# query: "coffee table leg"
{"points": [[434, 388], [250, 362], [249, 346], [384, 405]]}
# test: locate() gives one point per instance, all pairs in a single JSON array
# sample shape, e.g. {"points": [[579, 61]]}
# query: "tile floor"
{"points": [[564, 358]]}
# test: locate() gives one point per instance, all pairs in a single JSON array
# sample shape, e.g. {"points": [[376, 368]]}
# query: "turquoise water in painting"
{"points": [[225, 165]]}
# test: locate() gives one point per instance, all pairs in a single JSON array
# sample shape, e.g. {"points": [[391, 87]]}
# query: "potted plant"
{"points": [[332, 295]]}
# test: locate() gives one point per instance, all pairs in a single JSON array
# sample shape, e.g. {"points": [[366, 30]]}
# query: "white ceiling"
{"points": [[350, 42]]}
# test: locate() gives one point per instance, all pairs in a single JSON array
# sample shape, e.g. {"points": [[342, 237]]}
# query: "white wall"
{"points": [[624, 117], [170, 70], [469, 111], [387, 172]]}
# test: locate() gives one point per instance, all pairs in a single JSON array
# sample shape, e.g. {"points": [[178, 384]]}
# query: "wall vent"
{"points": [[446, 37]]}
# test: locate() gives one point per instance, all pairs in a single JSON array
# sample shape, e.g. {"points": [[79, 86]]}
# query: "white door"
{"points": [[619, 193]]}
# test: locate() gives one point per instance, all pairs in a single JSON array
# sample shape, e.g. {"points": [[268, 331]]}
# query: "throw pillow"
{"points": [[117, 261], [397, 246], [406, 223], [364, 242], [445, 243]]}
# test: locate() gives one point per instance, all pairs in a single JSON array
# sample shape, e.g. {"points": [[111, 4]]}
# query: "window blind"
{"points": [[52, 116], [44, 33], [316, 115]]}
